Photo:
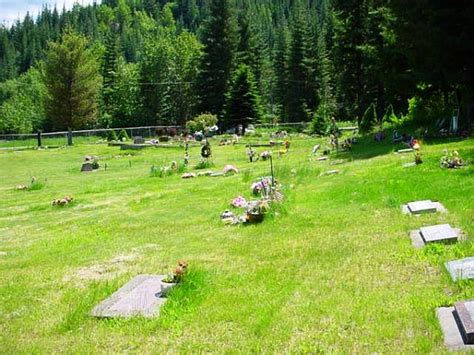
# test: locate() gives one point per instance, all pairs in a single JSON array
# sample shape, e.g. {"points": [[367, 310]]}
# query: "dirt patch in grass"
{"points": [[103, 271]]}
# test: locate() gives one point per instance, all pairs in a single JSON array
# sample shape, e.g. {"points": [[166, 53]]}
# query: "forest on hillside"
{"points": [[148, 62]]}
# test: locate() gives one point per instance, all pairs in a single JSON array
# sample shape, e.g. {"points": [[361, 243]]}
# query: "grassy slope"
{"points": [[334, 271]]}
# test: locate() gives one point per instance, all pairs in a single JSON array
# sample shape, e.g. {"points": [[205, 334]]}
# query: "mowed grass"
{"points": [[332, 271]]}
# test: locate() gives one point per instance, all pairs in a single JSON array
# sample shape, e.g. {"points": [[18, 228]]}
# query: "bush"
{"points": [[123, 136], [369, 119], [111, 136], [319, 124], [204, 164], [201, 122]]}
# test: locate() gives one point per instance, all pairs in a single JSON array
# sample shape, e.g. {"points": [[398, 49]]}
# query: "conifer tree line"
{"points": [[148, 62]]}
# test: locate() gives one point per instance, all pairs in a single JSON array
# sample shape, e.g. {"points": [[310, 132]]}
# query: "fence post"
{"points": [[38, 136], [69, 137]]}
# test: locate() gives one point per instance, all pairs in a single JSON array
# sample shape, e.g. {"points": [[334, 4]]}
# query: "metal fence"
{"points": [[92, 136], [55, 139]]}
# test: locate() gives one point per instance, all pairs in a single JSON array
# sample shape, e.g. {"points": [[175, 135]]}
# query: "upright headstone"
{"points": [[86, 167], [138, 140], [462, 269]]}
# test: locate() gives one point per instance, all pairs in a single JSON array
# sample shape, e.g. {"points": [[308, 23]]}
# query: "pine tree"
{"points": [[109, 70], [72, 79], [243, 101], [296, 106], [218, 38], [280, 67]]}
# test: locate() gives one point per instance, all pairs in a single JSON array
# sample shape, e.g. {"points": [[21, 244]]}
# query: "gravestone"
{"points": [[439, 233], [401, 151], [443, 233], [464, 314], [461, 269], [331, 172], [139, 297], [86, 167], [453, 338], [138, 140], [322, 158], [418, 207], [409, 165]]}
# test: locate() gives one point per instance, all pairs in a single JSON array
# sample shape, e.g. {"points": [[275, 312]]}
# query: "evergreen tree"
{"points": [[243, 101], [71, 76], [296, 105], [218, 38], [280, 67], [109, 70]]}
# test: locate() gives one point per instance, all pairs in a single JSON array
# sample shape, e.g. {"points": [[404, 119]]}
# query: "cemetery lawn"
{"points": [[332, 271]]}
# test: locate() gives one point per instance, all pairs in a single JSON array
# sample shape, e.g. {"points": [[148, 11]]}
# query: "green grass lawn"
{"points": [[332, 271]]}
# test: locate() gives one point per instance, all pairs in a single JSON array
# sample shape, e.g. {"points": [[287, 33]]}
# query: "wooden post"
{"points": [[38, 136]]}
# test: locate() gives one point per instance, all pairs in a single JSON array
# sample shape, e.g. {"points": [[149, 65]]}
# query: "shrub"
{"points": [[123, 136], [319, 124], [111, 136], [201, 122], [369, 119], [204, 164]]}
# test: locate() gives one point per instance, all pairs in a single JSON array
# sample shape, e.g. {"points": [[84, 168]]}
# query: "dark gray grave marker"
{"points": [[138, 140], [86, 167], [461, 269], [452, 335], [464, 314], [139, 297]]}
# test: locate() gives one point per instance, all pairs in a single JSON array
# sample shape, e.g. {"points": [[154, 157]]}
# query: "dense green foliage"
{"points": [[71, 75], [163, 62]]}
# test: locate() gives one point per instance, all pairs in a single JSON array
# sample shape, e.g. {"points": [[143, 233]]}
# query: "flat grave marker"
{"points": [[464, 314], [141, 296], [439, 233], [138, 140], [424, 206], [453, 338], [462, 269], [442, 233], [322, 158], [401, 151], [418, 207]]}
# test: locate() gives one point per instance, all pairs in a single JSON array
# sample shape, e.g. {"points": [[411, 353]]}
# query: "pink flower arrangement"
{"points": [[239, 202]]}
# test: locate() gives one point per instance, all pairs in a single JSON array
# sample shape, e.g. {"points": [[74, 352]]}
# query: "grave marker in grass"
{"points": [[424, 206], [457, 327], [462, 269], [139, 297], [442, 233]]}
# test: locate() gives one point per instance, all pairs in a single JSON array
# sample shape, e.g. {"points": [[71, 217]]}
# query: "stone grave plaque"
{"points": [[461, 269], [401, 151], [322, 158], [438, 233], [418, 207], [86, 167], [452, 334], [464, 313], [139, 297], [138, 140]]}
